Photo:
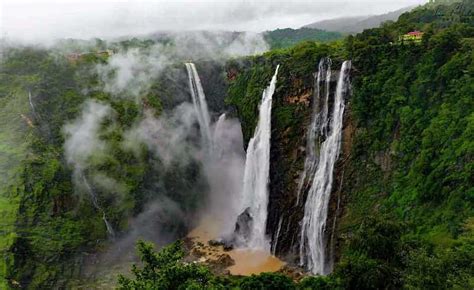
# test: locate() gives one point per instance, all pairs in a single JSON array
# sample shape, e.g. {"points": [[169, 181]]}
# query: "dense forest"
{"points": [[404, 214]]}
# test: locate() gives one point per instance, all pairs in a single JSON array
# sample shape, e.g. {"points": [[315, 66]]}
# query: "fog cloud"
{"points": [[41, 20], [83, 149], [168, 136], [225, 174], [130, 72], [82, 140]]}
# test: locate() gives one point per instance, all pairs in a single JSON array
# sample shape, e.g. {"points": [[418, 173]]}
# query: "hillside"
{"points": [[357, 24]]}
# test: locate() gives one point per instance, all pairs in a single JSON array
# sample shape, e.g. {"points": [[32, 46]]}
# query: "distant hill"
{"points": [[284, 38], [358, 23]]}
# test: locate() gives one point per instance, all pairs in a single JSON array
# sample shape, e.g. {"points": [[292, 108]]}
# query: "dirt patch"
{"points": [[202, 248]]}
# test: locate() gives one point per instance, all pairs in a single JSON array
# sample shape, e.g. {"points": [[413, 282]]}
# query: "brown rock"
{"points": [[225, 261]]}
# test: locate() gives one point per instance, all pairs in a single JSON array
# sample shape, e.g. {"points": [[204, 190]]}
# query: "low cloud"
{"points": [[84, 149], [131, 72], [82, 135], [224, 172], [169, 136]]}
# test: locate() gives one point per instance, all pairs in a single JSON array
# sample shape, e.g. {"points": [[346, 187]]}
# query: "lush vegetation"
{"points": [[48, 221], [412, 158], [407, 186]]}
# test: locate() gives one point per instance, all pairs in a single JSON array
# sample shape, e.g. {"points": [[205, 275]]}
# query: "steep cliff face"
{"points": [[402, 194], [292, 109], [401, 204]]}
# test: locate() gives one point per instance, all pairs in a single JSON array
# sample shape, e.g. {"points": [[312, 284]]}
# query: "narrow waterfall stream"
{"points": [[256, 174], [312, 243], [318, 124], [200, 105], [32, 106], [95, 202]]}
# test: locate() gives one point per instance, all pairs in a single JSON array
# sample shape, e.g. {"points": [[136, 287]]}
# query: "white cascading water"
{"points": [[318, 124], [223, 161], [218, 128], [30, 99], [312, 243], [200, 105], [257, 170]]}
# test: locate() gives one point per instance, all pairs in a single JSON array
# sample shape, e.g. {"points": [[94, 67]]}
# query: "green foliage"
{"points": [[50, 222], [15, 134], [165, 270], [266, 281], [320, 283], [413, 108]]}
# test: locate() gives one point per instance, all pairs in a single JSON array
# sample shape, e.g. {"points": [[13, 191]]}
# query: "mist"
{"points": [[171, 137], [225, 171], [131, 72], [82, 142]]}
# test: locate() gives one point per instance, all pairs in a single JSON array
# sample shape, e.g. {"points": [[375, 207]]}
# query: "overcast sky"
{"points": [[45, 20]]}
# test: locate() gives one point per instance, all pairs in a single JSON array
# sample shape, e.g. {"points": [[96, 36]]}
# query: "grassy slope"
{"points": [[13, 144]]}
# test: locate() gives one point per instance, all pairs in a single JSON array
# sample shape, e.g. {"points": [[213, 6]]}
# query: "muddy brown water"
{"points": [[247, 261]]}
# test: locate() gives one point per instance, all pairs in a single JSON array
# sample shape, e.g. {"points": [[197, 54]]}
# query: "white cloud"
{"points": [[44, 20], [82, 140]]}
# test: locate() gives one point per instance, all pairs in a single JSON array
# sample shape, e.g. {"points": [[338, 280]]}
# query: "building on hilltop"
{"points": [[414, 36]]}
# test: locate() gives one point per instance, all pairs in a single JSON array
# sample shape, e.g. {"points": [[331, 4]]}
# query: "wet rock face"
{"points": [[291, 116], [287, 160], [240, 235], [243, 226]]}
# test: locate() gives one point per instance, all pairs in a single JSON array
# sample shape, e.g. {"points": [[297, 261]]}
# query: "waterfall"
{"points": [[95, 202], [318, 124], [312, 243], [200, 104], [218, 131], [256, 173]]}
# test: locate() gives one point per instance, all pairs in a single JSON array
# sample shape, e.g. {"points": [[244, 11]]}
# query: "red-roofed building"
{"points": [[414, 36]]}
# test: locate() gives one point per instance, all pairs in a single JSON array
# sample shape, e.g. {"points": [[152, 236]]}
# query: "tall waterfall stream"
{"points": [[253, 255], [328, 127]]}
